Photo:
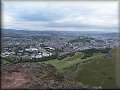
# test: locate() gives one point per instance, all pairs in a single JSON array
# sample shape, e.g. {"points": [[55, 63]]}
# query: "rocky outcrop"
{"points": [[34, 76]]}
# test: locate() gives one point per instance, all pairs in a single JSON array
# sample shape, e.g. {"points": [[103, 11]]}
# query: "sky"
{"points": [[61, 15]]}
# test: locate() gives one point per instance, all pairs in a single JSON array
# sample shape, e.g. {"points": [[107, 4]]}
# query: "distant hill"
{"points": [[60, 33]]}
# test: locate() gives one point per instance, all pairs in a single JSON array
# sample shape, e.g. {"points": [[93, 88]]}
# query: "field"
{"points": [[98, 70]]}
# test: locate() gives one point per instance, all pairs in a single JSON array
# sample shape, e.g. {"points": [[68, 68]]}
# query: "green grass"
{"points": [[66, 62], [97, 74], [3, 62], [97, 71], [81, 39]]}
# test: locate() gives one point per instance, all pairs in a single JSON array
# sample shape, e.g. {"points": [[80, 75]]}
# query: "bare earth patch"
{"points": [[14, 80], [33, 76]]}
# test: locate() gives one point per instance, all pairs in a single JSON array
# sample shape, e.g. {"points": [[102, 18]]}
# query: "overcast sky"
{"points": [[61, 15]]}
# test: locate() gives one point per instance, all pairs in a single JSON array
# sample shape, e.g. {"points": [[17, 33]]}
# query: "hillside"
{"points": [[34, 76], [98, 70]]}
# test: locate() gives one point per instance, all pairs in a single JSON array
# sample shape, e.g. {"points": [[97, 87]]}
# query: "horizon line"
{"points": [[62, 30]]}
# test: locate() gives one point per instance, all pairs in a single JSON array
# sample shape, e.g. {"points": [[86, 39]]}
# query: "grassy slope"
{"points": [[98, 72], [66, 62], [118, 68], [3, 62]]}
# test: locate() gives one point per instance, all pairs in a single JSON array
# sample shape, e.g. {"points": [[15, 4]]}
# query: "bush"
{"points": [[62, 57], [89, 52], [71, 54]]}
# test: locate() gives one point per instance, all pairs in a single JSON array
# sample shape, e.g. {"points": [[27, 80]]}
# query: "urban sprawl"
{"points": [[23, 45]]}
